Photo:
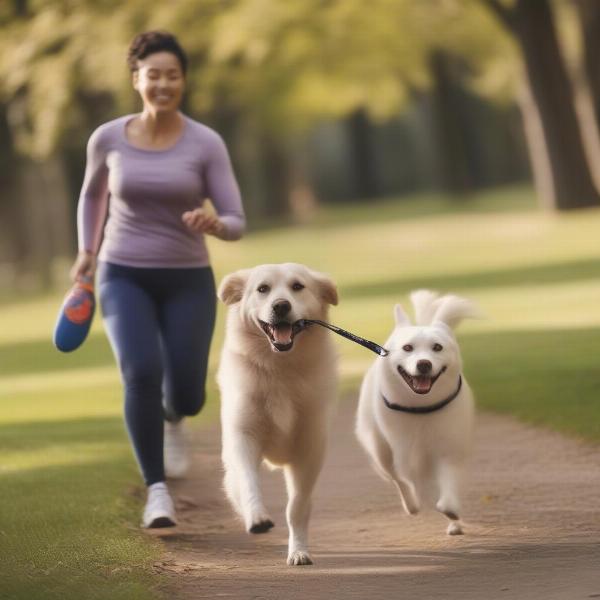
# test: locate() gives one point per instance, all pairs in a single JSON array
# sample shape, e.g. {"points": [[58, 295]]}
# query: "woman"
{"points": [[151, 173]]}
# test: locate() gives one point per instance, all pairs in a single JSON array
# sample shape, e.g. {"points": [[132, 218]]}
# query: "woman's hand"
{"points": [[202, 221], [84, 266]]}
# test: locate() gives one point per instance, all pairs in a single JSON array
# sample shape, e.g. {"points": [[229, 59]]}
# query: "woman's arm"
{"points": [[223, 190], [92, 207]]}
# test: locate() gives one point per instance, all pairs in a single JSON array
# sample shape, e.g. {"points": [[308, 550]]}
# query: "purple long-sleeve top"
{"points": [[145, 193]]}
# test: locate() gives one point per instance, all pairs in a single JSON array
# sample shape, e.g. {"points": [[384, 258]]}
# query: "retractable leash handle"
{"points": [[372, 346]]}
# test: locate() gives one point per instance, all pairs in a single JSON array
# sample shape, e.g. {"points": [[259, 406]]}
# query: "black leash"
{"points": [[372, 346], [381, 351], [421, 410]]}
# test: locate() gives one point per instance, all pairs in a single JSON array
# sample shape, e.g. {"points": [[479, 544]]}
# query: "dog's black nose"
{"points": [[281, 308], [424, 366]]}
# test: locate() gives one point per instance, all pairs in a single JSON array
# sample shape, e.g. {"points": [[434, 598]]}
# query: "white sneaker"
{"points": [[175, 450], [159, 510]]}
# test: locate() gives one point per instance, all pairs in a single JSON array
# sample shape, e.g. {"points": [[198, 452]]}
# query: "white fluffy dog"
{"points": [[416, 410], [278, 384]]}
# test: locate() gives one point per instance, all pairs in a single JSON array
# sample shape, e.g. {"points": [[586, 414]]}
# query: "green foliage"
{"points": [[284, 64], [58, 52], [311, 60]]}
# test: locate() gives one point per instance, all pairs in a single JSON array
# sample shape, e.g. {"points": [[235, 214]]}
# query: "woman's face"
{"points": [[160, 82]]}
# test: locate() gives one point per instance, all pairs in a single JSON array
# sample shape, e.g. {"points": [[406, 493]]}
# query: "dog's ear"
{"points": [[451, 310], [327, 289], [232, 287], [400, 316], [424, 303]]}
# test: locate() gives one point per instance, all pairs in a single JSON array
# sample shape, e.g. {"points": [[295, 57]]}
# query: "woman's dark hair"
{"points": [[151, 42]]}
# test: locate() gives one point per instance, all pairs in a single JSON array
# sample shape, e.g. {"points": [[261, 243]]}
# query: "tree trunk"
{"points": [[12, 235], [587, 83], [56, 196], [571, 184], [366, 181], [450, 142], [43, 220], [245, 154], [21, 8], [303, 199], [33, 218], [589, 16], [288, 191], [536, 144], [277, 176]]}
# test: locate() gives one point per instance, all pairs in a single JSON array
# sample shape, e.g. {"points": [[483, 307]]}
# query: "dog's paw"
{"points": [[408, 498], [451, 515], [261, 526], [411, 509], [455, 528], [446, 509], [299, 557]]}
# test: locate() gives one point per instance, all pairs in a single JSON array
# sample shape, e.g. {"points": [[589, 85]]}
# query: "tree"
{"points": [[450, 132], [562, 173], [589, 16], [273, 69], [314, 60]]}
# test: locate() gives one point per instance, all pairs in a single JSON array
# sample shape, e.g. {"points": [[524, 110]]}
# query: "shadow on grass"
{"points": [[62, 533], [41, 355], [547, 378], [37, 435], [544, 274]]}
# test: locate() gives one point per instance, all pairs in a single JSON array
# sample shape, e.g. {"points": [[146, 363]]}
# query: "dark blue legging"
{"points": [[160, 324]]}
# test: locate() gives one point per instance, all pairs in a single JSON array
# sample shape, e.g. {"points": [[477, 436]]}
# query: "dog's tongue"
{"points": [[422, 385], [282, 333]]}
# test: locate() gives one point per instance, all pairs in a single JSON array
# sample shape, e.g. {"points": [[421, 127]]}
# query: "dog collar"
{"points": [[420, 410]]}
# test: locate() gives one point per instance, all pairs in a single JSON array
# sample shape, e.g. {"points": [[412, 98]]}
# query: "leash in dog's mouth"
{"points": [[282, 334], [372, 346]]}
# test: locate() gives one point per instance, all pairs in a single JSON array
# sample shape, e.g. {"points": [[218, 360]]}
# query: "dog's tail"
{"points": [[449, 309]]}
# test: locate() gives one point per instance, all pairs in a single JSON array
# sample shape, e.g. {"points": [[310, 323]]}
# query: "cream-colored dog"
{"points": [[278, 383], [415, 414]]}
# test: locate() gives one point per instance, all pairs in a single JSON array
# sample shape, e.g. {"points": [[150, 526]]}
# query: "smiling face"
{"points": [[275, 298], [160, 81], [419, 356]]}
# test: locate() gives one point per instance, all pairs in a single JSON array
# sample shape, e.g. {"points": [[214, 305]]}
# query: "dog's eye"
{"points": [[297, 286], [437, 347], [407, 348], [263, 289]]}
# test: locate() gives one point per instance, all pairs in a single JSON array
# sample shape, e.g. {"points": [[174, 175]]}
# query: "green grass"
{"points": [[548, 378], [71, 495], [69, 498]]}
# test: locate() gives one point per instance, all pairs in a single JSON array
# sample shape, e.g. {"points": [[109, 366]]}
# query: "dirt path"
{"points": [[532, 515]]}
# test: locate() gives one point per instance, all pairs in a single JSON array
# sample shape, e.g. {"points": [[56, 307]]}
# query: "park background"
{"points": [[395, 144]]}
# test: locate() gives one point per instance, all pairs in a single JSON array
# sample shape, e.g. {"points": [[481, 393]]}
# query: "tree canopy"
{"points": [[287, 63]]}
